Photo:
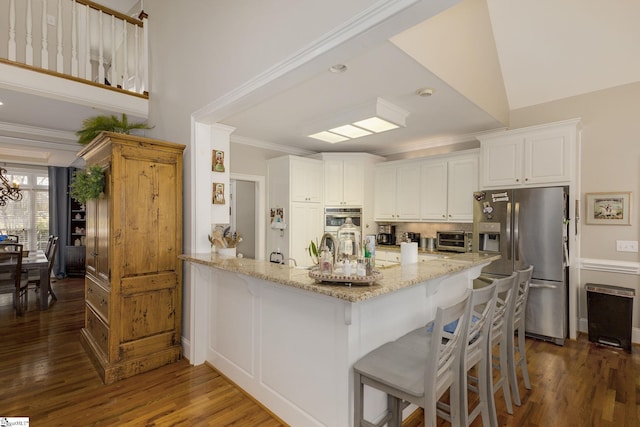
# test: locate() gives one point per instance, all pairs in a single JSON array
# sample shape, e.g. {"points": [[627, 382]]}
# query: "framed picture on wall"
{"points": [[609, 208], [217, 161], [218, 193]]}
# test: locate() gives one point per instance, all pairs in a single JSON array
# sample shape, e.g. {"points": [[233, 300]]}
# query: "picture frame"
{"points": [[217, 161], [613, 208], [218, 193]]}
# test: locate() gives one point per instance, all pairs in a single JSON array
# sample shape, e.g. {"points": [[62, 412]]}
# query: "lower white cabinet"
{"points": [[305, 225]]}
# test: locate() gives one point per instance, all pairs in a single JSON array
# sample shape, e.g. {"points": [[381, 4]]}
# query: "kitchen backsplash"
{"points": [[428, 229]]}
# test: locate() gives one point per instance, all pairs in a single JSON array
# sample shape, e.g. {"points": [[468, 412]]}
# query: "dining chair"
{"points": [[516, 324], [12, 280], [34, 275], [48, 248], [417, 369], [505, 291]]}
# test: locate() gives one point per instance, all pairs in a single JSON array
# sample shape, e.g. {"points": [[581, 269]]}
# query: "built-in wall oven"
{"points": [[334, 217]]}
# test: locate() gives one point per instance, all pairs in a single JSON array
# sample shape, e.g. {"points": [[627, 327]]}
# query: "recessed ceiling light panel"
{"points": [[376, 124], [328, 137], [350, 131]]}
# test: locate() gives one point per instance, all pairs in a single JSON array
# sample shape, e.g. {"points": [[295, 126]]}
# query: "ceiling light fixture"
{"points": [[425, 92], [371, 118], [8, 190], [338, 68]]}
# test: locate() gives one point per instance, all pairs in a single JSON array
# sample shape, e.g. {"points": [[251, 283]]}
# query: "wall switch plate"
{"points": [[51, 20], [627, 245]]}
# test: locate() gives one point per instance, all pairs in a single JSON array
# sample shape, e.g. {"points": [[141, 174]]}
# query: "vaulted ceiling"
{"points": [[482, 58]]}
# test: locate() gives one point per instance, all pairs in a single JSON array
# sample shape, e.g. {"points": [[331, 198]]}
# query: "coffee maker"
{"points": [[386, 235]]}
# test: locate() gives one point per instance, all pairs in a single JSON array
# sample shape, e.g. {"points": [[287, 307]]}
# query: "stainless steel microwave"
{"points": [[454, 241]]}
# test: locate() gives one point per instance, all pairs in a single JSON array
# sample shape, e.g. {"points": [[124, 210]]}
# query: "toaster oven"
{"points": [[454, 241]]}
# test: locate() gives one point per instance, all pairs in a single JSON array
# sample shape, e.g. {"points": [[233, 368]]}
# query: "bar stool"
{"points": [[417, 369], [474, 353], [505, 291], [517, 324], [477, 353]]}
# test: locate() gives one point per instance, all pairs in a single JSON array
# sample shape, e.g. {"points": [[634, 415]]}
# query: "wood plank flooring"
{"points": [[46, 375]]}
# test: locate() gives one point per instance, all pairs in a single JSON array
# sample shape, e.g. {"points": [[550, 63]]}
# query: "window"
{"points": [[29, 217]]}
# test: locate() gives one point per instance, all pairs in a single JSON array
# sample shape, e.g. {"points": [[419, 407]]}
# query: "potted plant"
{"points": [[87, 184], [92, 126]]}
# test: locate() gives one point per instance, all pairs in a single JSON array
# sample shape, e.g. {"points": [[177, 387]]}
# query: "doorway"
{"points": [[246, 194]]}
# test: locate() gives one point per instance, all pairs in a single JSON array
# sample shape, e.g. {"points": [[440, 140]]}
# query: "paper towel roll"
{"points": [[408, 253]]}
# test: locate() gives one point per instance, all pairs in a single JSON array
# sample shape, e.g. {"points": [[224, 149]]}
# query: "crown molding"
{"points": [[270, 146]]}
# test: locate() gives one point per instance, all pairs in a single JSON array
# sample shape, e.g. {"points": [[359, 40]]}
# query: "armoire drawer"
{"points": [[98, 298], [98, 330]]}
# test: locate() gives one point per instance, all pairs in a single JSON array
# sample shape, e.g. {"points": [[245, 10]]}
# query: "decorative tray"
{"points": [[314, 273]]}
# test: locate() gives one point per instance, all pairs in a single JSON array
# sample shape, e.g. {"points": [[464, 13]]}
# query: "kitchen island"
{"points": [[291, 342]]}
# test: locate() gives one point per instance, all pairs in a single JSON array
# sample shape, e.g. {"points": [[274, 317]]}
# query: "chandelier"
{"points": [[8, 190]]}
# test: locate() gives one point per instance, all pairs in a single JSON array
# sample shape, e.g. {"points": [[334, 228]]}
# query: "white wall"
{"points": [[200, 50]]}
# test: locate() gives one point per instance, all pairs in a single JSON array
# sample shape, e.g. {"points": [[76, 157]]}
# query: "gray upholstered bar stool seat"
{"points": [[417, 371], [517, 324]]}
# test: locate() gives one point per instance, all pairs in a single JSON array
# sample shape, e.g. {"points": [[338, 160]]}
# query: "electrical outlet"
{"points": [[627, 245]]}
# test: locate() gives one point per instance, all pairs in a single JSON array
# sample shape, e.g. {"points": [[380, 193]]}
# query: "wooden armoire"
{"points": [[133, 280]]}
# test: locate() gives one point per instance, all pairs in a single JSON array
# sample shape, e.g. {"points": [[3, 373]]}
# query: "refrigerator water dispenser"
{"points": [[489, 237]]}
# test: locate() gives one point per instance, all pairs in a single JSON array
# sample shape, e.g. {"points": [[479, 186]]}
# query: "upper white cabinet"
{"points": [[306, 179], [533, 156], [344, 182], [447, 186], [346, 176], [397, 189]]}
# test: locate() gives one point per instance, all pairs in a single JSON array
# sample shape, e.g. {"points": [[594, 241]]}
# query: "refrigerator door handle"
{"points": [[508, 226], [516, 234], [539, 285]]}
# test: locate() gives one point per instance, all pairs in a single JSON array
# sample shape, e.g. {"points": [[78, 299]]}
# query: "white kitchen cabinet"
{"points": [[533, 156], [306, 181], [446, 189], [397, 189], [305, 225], [344, 182], [296, 186]]}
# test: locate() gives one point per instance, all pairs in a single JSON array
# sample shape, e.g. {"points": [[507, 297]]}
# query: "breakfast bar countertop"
{"points": [[394, 278]]}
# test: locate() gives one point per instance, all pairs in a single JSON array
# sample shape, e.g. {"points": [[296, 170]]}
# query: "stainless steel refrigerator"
{"points": [[529, 227]]}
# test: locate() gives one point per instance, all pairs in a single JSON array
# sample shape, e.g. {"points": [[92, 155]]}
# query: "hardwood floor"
{"points": [[47, 376], [579, 384]]}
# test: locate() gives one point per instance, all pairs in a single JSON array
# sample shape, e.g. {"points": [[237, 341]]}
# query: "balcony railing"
{"points": [[76, 39]]}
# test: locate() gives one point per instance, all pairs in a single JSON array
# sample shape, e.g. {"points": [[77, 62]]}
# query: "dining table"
{"points": [[35, 261]]}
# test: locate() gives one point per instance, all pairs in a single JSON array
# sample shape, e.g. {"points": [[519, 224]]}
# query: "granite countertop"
{"points": [[394, 278]]}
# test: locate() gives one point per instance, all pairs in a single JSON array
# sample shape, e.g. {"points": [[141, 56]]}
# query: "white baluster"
{"points": [[136, 60], [100, 49], [29, 47], [145, 56], [74, 40], [44, 52], [114, 72], [125, 68], [12, 31], [87, 46], [59, 57]]}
